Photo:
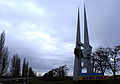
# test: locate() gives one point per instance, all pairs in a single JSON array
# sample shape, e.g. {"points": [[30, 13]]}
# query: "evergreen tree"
{"points": [[2, 42], [3, 55], [31, 72], [25, 68], [4, 62], [15, 66]]}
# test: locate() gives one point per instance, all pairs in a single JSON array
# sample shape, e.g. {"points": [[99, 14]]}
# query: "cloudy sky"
{"points": [[44, 31]]}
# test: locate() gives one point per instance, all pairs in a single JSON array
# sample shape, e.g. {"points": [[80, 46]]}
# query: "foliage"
{"points": [[98, 60], [3, 55], [2, 42], [57, 73], [4, 62], [106, 60], [25, 68], [15, 68], [31, 72]]}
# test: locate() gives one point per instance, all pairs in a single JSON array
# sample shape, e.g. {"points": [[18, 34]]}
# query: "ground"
{"points": [[38, 81]]}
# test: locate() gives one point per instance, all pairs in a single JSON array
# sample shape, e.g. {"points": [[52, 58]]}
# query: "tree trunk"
{"points": [[114, 75]]}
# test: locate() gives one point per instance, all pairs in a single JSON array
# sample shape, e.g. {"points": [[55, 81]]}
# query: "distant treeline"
{"points": [[59, 73], [12, 67]]}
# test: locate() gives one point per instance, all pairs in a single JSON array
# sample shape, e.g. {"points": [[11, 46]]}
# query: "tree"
{"points": [[106, 59], [4, 62], [113, 60], [60, 73], [15, 66], [99, 60], [25, 68], [31, 72], [2, 42], [3, 55]]}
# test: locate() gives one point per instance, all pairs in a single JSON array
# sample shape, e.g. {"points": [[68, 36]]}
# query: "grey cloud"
{"points": [[47, 40]]}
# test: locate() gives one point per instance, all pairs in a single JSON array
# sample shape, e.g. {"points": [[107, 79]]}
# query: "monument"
{"points": [[82, 51]]}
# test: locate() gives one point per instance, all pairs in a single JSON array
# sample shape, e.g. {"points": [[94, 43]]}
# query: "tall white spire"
{"points": [[86, 37], [78, 39], [77, 61], [87, 47]]}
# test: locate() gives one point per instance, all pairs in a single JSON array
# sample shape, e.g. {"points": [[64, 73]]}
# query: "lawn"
{"points": [[39, 81]]}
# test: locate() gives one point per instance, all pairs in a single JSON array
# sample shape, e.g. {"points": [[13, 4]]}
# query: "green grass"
{"points": [[52, 82], [39, 81], [13, 82]]}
